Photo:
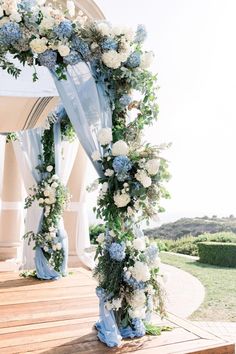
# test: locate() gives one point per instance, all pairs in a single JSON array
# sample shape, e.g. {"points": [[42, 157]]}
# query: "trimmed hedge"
{"points": [[217, 253]]}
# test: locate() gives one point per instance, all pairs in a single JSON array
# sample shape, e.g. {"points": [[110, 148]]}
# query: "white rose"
{"points": [[41, 200], [140, 271], [104, 187], [54, 185], [49, 168], [47, 23], [53, 234], [100, 238], [54, 177], [45, 248], [146, 60], [112, 59], [152, 166], [143, 178], [59, 246], [120, 148], [71, 8], [103, 28], [39, 45], [46, 193], [109, 172], [104, 136], [54, 247], [121, 199], [63, 50], [138, 299], [96, 155], [128, 33], [139, 244], [15, 16]]}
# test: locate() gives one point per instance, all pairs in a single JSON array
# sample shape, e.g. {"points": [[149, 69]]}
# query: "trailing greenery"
{"points": [[95, 230], [218, 253], [189, 244]]}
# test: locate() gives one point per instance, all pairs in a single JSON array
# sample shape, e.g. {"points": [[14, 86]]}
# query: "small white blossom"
{"points": [[146, 60], [109, 172], [54, 185], [41, 200], [39, 45], [100, 238], [94, 46], [46, 24], [96, 155], [143, 178], [121, 199], [140, 271], [63, 50], [152, 166], [49, 168], [139, 244]]}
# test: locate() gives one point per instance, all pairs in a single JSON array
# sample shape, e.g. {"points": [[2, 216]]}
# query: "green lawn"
{"points": [[220, 286]]}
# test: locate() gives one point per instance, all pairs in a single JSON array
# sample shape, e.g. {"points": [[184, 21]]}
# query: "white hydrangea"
{"points": [[71, 8], [121, 199], [139, 312], [109, 172], [47, 23], [140, 271], [96, 155], [138, 299], [15, 16], [100, 238], [39, 45], [152, 166], [139, 244], [128, 33], [105, 136], [112, 59], [63, 50], [143, 178], [120, 148], [103, 28], [146, 60], [104, 187]]}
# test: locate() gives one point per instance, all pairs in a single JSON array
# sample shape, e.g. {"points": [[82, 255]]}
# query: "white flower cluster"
{"points": [[104, 136], [152, 166], [146, 60], [120, 148], [115, 304], [121, 199], [143, 178], [140, 271]]}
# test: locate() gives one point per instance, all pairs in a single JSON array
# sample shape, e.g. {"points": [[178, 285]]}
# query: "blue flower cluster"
{"points": [[109, 44], [125, 100], [48, 58], [136, 285], [26, 5], [81, 46], [72, 58], [141, 34], [117, 251], [10, 33], [121, 165], [133, 60], [138, 327], [151, 253], [64, 29]]}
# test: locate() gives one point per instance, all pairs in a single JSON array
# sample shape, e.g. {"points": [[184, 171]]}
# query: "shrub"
{"points": [[218, 253], [94, 231]]}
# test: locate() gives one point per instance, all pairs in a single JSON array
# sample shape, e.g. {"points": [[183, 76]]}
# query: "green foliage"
{"points": [[154, 330], [95, 230], [218, 253], [11, 137], [188, 244], [9, 67]]}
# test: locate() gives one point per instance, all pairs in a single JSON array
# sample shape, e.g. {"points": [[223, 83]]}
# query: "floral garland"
{"points": [[51, 195], [132, 186]]}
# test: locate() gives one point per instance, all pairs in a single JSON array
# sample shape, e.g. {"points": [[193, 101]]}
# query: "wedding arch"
{"points": [[109, 95]]}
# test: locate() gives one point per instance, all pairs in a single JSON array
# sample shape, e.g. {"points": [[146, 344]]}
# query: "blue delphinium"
{"points": [[117, 251], [48, 58], [139, 327], [81, 46], [133, 60], [136, 285], [26, 5], [141, 34], [10, 33], [151, 253], [64, 29], [72, 58], [109, 44], [125, 100], [121, 165]]}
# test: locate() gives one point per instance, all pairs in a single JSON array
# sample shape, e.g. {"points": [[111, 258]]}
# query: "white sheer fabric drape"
{"points": [[28, 172], [2, 160]]}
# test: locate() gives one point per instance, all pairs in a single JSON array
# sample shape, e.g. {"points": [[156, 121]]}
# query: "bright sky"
{"points": [[194, 44]]}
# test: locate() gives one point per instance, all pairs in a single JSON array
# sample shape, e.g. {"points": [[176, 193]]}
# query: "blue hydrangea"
{"points": [[125, 100], [136, 186], [10, 33], [26, 5], [73, 58], [139, 327], [48, 58], [109, 44], [151, 253], [141, 34], [81, 46], [121, 165], [117, 251], [64, 29], [136, 285], [133, 60], [60, 112]]}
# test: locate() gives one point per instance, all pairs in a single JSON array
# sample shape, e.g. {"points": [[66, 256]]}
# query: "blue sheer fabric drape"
{"points": [[88, 108], [30, 141]]}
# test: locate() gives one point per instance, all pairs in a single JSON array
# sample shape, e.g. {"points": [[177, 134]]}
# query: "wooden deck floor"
{"points": [[58, 318]]}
